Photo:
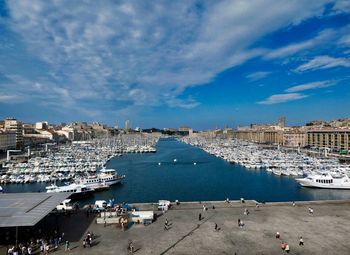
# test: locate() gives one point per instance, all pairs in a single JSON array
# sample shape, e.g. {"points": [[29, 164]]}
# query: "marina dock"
{"points": [[324, 232]]}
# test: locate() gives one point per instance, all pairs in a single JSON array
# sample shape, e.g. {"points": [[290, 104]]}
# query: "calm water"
{"points": [[211, 179]]}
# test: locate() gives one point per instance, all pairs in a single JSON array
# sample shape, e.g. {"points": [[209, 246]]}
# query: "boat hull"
{"points": [[81, 195], [310, 184]]}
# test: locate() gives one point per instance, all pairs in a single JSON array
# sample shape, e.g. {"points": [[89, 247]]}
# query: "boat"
{"points": [[325, 181], [78, 190], [104, 177]]}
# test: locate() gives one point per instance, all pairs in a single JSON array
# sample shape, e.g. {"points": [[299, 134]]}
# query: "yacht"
{"points": [[326, 181], [105, 177], [78, 190]]}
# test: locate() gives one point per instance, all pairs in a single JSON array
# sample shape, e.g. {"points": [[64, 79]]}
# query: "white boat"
{"points": [[78, 190], [105, 177], [325, 181]]}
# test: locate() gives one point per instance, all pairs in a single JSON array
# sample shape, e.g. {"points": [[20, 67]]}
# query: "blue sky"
{"points": [[171, 63]]}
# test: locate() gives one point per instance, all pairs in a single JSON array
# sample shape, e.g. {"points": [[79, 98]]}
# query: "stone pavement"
{"points": [[325, 232]]}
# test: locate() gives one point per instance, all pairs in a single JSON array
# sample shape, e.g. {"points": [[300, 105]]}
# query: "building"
{"points": [[294, 137], [268, 135], [42, 125], [7, 140], [335, 139], [184, 129], [281, 122], [127, 125], [15, 126]]}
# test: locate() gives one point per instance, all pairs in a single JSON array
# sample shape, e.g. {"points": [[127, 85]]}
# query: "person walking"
{"points": [[166, 224], [278, 235], [287, 249], [66, 246], [301, 241], [311, 211], [131, 247], [200, 217]]}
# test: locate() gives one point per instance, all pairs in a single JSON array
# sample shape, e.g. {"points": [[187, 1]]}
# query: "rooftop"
{"points": [[27, 209]]}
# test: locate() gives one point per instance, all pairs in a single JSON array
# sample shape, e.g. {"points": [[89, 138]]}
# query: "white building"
{"points": [[127, 125], [67, 131], [42, 125]]}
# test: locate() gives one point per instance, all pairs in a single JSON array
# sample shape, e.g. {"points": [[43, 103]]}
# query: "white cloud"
{"points": [[341, 6], [257, 75], [147, 53], [282, 98], [8, 98], [311, 85], [293, 48], [323, 62], [345, 40]]}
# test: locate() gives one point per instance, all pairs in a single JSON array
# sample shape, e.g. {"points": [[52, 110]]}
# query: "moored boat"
{"points": [[78, 190], [325, 181]]}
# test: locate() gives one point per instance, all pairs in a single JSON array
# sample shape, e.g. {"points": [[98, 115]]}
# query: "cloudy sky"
{"points": [[171, 63]]}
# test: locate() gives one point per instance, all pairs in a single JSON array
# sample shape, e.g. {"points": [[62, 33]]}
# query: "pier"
{"points": [[324, 232]]}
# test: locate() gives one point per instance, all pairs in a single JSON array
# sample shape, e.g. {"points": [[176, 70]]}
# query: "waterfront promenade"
{"points": [[324, 232]]}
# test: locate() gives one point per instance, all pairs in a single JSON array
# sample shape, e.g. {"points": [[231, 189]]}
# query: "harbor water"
{"points": [[178, 171]]}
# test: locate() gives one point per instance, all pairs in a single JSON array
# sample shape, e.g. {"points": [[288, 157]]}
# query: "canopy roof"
{"points": [[27, 209]]}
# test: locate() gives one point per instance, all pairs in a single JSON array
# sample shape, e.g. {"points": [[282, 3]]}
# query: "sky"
{"points": [[203, 64]]}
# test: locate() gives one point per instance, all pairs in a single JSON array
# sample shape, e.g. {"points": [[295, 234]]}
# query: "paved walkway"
{"points": [[325, 232]]}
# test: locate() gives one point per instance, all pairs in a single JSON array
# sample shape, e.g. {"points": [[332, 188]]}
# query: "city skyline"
{"points": [[201, 64]]}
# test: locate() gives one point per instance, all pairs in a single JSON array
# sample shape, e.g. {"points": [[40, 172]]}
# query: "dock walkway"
{"points": [[324, 232]]}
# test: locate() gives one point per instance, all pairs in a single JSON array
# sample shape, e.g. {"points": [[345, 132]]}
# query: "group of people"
{"points": [[87, 241], [285, 246], [19, 250], [45, 245]]}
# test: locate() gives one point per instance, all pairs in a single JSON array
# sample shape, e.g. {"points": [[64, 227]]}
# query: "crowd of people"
{"points": [[45, 245]]}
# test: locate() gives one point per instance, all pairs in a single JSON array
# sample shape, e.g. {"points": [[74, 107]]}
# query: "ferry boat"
{"points": [[78, 190], [104, 177], [326, 181]]}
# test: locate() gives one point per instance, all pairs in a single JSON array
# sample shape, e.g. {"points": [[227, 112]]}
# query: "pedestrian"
{"points": [[293, 204], [66, 246], [200, 217], [283, 246], [84, 243], [278, 235], [216, 227], [131, 247], [213, 207], [90, 241], [166, 224], [287, 249], [47, 248], [29, 250], [257, 205], [311, 211], [301, 241], [239, 222], [204, 208]]}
